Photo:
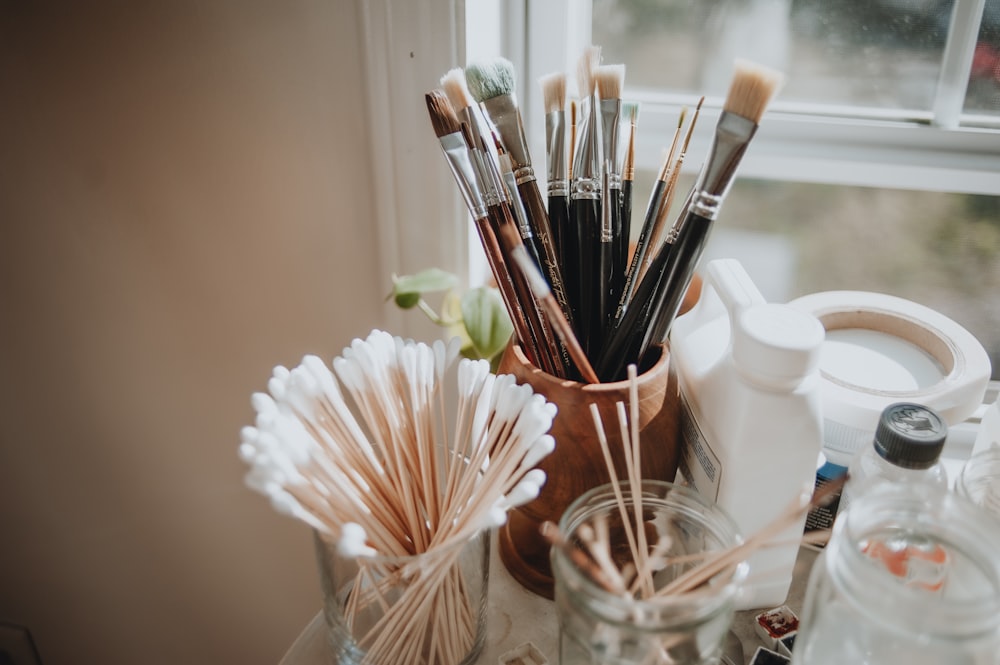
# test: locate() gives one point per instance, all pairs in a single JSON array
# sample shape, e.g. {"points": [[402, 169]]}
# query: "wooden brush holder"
{"points": [[577, 464]]}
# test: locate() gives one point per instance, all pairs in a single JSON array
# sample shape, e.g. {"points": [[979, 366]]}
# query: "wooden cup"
{"points": [[577, 463]]}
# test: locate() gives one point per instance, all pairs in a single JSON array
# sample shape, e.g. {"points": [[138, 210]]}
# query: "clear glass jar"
{"points": [[911, 575], [979, 480], [426, 609], [596, 626]]}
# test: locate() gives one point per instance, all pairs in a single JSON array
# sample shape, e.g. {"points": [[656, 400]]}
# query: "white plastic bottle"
{"points": [[751, 417], [906, 449]]}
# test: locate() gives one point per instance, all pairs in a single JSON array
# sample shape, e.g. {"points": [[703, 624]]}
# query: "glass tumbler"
{"points": [[597, 626], [425, 609], [911, 575]]}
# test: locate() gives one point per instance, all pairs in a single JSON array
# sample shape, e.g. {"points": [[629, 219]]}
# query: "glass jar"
{"points": [[911, 575], [426, 609], [979, 480], [597, 626]]}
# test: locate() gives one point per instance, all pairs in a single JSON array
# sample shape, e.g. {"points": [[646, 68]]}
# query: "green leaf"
{"points": [[486, 321], [425, 281]]}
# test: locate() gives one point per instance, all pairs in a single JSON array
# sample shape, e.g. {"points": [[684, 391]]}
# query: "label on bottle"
{"points": [[698, 462], [822, 517]]}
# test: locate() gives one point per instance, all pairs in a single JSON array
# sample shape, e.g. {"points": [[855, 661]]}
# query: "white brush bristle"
{"points": [[553, 91], [610, 80], [585, 68], [752, 89], [455, 88]]}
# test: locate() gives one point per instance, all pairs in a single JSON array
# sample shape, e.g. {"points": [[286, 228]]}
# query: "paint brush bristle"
{"points": [[491, 79], [751, 90], [443, 118], [610, 80], [455, 87], [585, 68], [553, 91]]}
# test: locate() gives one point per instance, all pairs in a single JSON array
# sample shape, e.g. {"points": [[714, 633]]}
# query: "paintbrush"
{"points": [[554, 100], [672, 173], [653, 208], [456, 147], [630, 110], [610, 79], [492, 85], [663, 287], [752, 88], [585, 197], [528, 236]]}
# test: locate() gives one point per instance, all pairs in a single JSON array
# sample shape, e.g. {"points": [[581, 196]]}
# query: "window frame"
{"points": [[936, 150]]}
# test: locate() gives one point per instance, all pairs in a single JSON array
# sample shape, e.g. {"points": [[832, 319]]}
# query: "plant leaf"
{"points": [[408, 289], [486, 321]]}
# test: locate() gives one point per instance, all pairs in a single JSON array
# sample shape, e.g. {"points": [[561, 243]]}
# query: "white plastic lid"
{"points": [[882, 349], [776, 345]]}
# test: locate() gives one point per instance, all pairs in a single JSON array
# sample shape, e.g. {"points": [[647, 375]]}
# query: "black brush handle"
{"points": [[564, 235], [625, 215], [689, 247], [548, 251], [619, 255], [623, 343], [586, 219], [641, 248], [604, 271]]}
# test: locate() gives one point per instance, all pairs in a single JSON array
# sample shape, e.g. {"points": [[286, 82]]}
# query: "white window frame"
{"points": [[930, 151]]}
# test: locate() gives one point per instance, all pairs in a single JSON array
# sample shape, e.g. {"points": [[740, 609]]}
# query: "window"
{"points": [[878, 166]]}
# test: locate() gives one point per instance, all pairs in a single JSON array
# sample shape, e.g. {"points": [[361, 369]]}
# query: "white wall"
{"points": [[184, 202]]}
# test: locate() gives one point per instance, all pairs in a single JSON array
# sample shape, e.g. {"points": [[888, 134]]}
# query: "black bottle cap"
{"points": [[910, 435]]}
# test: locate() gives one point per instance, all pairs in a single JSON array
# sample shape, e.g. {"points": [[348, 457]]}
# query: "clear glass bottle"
{"points": [[911, 576], [598, 627], [906, 449]]}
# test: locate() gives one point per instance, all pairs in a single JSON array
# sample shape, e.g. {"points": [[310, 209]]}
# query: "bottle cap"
{"points": [[910, 435], [776, 344]]}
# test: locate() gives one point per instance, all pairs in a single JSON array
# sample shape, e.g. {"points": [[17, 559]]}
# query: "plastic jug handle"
{"points": [[733, 285], [726, 289]]}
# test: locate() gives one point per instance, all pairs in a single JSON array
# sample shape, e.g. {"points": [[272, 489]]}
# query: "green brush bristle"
{"points": [[490, 79]]}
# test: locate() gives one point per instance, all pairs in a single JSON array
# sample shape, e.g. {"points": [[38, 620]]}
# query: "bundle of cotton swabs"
{"points": [[363, 455], [581, 309]]}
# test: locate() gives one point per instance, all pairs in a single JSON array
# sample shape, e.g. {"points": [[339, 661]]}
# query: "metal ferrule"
{"points": [[457, 154], [587, 165], [487, 176], [705, 205], [611, 110], [558, 188], [555, 139], [518, 207], [732, 135], [504, 115], [606, 232]]}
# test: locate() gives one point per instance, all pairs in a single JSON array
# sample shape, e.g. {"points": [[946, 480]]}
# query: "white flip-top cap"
{"points": [[775, 344]]}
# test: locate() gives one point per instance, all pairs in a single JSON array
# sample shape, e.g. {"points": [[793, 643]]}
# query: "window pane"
{"points": [[873, 53], [983, 95], [939, 250]]}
